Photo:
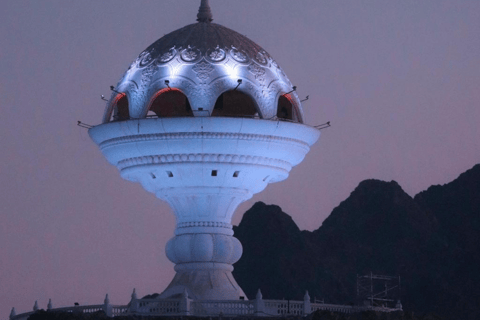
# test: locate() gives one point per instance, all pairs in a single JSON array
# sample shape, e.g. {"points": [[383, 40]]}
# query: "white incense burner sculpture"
{"points": [[204, 118]]}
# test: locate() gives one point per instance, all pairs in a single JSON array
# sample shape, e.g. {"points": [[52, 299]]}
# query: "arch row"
{"points": [[173, 102]]}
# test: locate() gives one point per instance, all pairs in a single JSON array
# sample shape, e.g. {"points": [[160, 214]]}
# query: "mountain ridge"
{"points": [[431, 240]]}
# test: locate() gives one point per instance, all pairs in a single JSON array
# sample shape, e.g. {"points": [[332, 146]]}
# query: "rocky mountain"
{"points": [[432, 241]]}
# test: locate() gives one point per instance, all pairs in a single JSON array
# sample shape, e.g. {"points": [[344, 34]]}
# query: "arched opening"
{"points": [[170, 102], [234, 103], [120, 108], [285, 108]]}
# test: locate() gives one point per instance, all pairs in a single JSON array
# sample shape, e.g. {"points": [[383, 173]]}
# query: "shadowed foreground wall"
{"points": [[319, 315]]}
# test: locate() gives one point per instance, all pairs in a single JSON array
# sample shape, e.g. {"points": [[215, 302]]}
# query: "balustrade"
{"points": [[186, 306], [233, 307]]}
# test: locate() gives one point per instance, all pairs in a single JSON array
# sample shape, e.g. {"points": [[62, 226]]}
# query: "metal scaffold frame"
{"points": [[378, 290]]}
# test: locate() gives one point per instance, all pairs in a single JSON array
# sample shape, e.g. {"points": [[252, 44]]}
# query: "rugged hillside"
{"points": [[431, 241], [278, 261], [456, 206]]}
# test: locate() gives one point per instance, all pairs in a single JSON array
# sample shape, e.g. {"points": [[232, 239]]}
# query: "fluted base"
{"points": [[204, 281]]}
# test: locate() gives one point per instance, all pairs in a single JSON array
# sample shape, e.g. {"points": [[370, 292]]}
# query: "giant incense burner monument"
{"points": [[204, 118]]}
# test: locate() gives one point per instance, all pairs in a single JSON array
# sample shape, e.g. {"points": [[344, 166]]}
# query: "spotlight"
{"points": [[113, 89], [323, 125], [167, 83], [239, 81], [84, 125], [294, 89]]}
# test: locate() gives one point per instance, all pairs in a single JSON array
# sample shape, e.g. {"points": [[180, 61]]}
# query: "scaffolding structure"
{"points": [[378, 290]]}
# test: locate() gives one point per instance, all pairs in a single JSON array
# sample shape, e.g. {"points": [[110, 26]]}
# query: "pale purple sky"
{"points": [[399, 80]]}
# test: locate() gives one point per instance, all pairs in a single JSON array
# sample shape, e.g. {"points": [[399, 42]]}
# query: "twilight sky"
{"points": [[399, 80]]}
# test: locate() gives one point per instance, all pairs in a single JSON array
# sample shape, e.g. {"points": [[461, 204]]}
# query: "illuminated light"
{"points": [[122, 108], [159, 92], [231, 71], [118, 97], [289, 110], [168, 102]]}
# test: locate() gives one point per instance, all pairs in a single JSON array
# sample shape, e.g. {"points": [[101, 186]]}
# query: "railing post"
{"points": [[12, 313], [259, 304], [107, 307], [133, 302], [399, 305], [184, 304], [307, 306]]}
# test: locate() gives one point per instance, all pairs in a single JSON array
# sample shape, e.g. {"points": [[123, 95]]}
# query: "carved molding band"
{"points": [[203, 157], [215, 224], [197, 135]]}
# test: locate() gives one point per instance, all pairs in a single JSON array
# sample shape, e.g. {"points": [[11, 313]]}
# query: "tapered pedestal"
{"points": [[204, 167]]}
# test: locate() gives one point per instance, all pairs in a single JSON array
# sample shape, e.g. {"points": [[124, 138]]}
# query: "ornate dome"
{"points": [[201, 62]]}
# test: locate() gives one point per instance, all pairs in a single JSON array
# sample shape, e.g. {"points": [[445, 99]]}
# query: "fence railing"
{"points": [[283, 307], [155, 307], [333, 307], [228, 307], [111, 310], [186, 306]]}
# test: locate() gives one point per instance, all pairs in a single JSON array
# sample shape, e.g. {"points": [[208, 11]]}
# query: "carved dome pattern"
{"points": [[204, 60]]}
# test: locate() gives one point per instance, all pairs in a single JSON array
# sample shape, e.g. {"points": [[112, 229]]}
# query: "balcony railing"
{"points": [[185, 306]]}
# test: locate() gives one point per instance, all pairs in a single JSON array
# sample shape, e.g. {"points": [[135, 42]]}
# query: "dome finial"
{"points": [[204, 12]]}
